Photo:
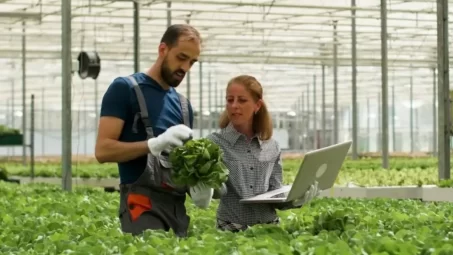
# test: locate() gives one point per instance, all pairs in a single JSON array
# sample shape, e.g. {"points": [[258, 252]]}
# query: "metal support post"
{"points": [[43, 126], [13, 110], [308, 118], [434, 113], [201, 99], [222, 99], [96, 98], [302, 119], [209, 103], [417, 130], [24, 91], [32, 136], [216, 102], [368, 124], [323, 114], [296, 126], [96, 104], [411, 113], [168, 14], [188, 72], [443, 91], [385, 115], [315, 128], [355, 131], [85, 130], [335, 83], [66, 95], [393, 119], [379, 118], [136, 37]]}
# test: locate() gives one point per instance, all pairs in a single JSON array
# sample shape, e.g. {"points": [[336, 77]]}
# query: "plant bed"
{"points": [[345, 192], [395, 192], [433, 193], [390, 192], [87, 182], [441, 192], [427, 193], [10, 136], [41, 219], [8, 140], [13, 181]]}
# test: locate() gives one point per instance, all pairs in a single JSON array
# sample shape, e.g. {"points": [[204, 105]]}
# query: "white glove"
{"points": [[201, 195], [311, 193], [172, 137]]}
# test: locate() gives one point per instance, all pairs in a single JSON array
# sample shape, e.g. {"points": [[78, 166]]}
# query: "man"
{"points": [[142, 116]]}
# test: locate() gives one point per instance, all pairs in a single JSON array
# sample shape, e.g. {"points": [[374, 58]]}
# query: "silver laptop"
{"points": [[322, 165]]}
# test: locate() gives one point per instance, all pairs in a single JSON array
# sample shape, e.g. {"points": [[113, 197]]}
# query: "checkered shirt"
{"points": [[255, 168]]}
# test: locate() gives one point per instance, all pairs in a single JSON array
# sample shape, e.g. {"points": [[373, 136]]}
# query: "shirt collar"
{"points": [[156, 85], [233, 135]]}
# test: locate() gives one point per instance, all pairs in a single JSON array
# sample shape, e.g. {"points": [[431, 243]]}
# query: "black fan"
{"points": [[89, 65]]}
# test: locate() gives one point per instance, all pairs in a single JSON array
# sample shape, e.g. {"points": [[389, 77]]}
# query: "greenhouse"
{"points": [[374, 73]]}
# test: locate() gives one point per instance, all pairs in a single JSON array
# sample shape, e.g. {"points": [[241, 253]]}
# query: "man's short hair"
{"points": [[174, 32]]}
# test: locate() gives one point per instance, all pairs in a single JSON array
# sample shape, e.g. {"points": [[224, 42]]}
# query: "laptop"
{"points": [[322, 165]]}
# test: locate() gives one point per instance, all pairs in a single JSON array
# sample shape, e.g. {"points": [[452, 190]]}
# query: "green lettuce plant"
{"points": [[198, 162]]}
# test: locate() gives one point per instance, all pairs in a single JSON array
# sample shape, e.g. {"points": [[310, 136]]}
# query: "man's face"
{"points": [[178, 60]]}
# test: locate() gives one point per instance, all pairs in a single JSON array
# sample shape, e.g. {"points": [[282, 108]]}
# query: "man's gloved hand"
{"points": [[201, 195], [311, 193], [172, 137]]}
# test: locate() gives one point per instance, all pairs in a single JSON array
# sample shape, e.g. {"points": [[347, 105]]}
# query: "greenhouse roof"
{"points": [[285, 44]]}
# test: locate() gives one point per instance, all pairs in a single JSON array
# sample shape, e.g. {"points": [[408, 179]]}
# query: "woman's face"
{"points": [[240, 105]]}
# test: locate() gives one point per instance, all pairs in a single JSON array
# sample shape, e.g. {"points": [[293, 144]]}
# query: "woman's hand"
{"points": [[219, 193], [201, 195], [311, 193]]}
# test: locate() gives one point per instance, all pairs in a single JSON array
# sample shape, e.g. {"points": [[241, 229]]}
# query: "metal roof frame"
{"points": [[257, 34], [291, 46]]}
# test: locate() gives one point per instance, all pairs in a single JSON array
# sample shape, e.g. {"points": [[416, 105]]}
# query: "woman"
{"points": [[252, 157]]}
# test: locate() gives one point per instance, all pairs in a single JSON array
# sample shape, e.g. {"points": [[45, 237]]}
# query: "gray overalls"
{"points": [[153, 202]]}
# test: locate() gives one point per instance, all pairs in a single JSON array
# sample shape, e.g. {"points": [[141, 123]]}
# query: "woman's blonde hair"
{"points": [[262, 121]]}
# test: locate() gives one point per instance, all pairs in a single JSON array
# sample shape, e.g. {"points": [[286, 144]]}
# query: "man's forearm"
{"points": [[116, 151]]}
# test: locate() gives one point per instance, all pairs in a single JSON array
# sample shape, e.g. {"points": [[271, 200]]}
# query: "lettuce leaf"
{"points": [[198, 161]]}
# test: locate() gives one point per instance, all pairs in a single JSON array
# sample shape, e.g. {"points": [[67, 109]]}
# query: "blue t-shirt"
{"points": [[164, 111]]}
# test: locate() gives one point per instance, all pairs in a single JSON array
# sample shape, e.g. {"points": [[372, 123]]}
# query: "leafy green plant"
{"points": [[3, 174], [364, 172], [198, 162], [333, 220], [446, 183], [43, 219], [4, 130]]}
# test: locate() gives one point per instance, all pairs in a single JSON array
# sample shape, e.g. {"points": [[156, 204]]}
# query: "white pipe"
{"points": [[21, 15], [230, 58], [233, 4], [280, 5]]}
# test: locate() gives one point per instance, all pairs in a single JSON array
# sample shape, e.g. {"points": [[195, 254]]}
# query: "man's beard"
{"points": [[169, 76]]}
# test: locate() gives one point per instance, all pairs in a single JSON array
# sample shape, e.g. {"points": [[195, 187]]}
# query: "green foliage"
{"points": [[445, 183], [363, 172], [369, 172], [4, 130], [3, 173], [42, 219], [198, 162], [83, 170]]}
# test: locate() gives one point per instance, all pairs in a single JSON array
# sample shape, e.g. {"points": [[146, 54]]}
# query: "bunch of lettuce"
{"points": [[198, 162]]}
